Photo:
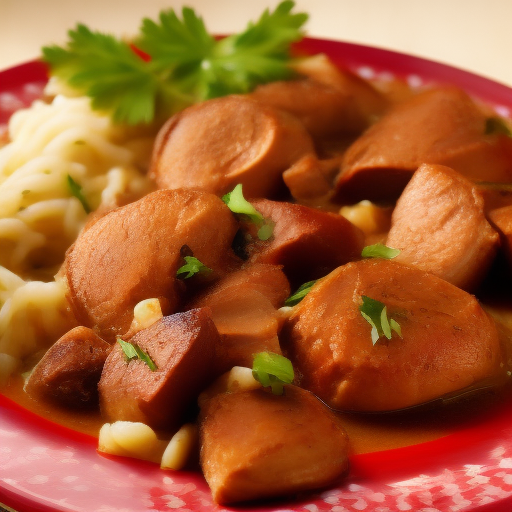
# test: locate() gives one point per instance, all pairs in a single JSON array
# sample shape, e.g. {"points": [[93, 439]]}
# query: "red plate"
{"points": [[46, 467]]}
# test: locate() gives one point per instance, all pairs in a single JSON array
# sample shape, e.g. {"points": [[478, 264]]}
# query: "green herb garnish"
{"points": [[237, 203], [375, 313], [76, 191], [301, 292], [184, 63], [379, 251], [133, 351], [496, 125], [272, 370], [192, 267]]}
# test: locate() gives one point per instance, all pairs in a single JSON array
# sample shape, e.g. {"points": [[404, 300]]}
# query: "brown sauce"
{"points": [[367, 432]]}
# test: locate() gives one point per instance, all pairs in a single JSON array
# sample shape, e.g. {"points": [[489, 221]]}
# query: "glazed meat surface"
{"points": [[439, 225], [447, 343], [258, 445], [133, 253], [217, 144], [441, 126], [181, 347], [69, 372]]}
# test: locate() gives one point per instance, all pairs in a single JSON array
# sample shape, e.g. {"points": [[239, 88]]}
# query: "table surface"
{"points": [[474, 35]]}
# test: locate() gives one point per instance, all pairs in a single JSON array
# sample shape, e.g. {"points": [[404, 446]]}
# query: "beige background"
{"points": [[472, 34]]}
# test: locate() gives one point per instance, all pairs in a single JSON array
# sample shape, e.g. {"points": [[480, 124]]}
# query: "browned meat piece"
{"points": [[348, 105], [501, 218], [447, 344], [257, 445], [243, 306], [69, 372], [217, 144], [308, 242], [133, 253], [269, 280], [441, 126], [439, 226], [182, 348], [309, 180]]}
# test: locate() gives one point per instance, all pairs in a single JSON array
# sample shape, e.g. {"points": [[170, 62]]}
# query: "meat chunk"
{"points": [[442, 126], [243, 306], [222, 142], [69, 372], [439, 226], [308, 242], [348, 105], [257, 445], [501, 218], [447, 342], [133, 253], [182, 347]]}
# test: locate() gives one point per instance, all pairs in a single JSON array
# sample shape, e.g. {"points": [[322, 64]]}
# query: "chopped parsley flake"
{"points": [[380, 251], [237, 203], [496, 125], [301, 292], [272, 370], [375, 313], [76, 191], [192, 267], [133, 351]]}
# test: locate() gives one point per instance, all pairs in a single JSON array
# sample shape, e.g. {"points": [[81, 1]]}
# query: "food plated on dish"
{"points": [[274, 280]]}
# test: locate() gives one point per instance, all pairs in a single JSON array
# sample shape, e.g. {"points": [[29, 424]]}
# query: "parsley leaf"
{"points": [[109, 72], [185, 64], [237, 203], [133, 351], [301, 292], [375, 313], [496, 125], [192, 267], [76, 191], [272, 370], [379, 251]]}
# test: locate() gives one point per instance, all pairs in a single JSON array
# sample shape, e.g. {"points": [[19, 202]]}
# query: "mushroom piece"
{"points": [[244, 306]]}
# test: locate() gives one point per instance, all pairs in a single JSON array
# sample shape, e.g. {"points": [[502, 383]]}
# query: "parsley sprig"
{"points": [[185, 63]]}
